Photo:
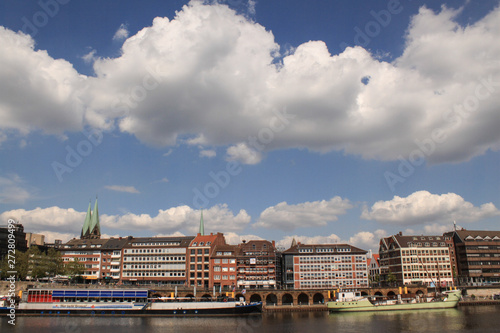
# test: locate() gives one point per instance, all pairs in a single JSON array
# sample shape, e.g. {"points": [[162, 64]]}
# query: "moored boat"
{"points": [[354, 302], [123, 302]]}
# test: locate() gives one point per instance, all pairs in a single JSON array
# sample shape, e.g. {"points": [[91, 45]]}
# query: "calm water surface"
{"points": [[465, 319]]}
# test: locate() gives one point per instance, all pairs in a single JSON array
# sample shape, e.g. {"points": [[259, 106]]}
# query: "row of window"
{"points": [[334, 267], [224, 269], [305, 259], [158, 274], [225, 261], [173, 250], [157, 244], [224, 277], [414, 252], [154, 258]]}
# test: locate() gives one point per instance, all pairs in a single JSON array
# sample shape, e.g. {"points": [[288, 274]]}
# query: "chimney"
{"points": [[400, 233], [274, 243]]}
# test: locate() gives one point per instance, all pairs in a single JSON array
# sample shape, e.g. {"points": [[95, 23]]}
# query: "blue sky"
{"points": [[320, 120]]}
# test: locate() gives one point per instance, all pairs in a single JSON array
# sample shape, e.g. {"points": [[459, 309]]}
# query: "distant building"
{"points": [[324, 266], [112, 259], [87, 252], [20, 239], [154, 260], [199, 252], [34, 239], [224, 266], [478, 256], [259, 265], [373, 264], [416, 259]]}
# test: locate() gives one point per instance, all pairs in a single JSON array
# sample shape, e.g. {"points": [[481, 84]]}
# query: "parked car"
{"points": [[497, 296]]}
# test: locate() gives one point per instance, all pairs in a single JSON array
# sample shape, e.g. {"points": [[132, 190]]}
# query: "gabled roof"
{"points": [[211, 239], [477, 235], [322, 249], [257, 245]]}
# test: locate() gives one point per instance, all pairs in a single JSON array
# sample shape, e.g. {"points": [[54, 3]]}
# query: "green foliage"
{"points": [[74, 268], [20, 265], [391, 279]]}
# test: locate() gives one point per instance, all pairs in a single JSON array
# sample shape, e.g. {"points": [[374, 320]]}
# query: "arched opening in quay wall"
{"points": [[287, 299], [271, 299], [303, 299], [318, 298], [255, 298]]}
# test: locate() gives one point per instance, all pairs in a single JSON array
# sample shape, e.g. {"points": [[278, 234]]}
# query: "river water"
{"points": [[483, 319]]}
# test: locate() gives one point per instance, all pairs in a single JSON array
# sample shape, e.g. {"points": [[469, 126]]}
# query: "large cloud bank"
{"points": [[215, 78]]}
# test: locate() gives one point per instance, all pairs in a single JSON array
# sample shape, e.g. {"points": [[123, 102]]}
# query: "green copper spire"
{"points": [[95, 228], [86, 224], [202, 226]]}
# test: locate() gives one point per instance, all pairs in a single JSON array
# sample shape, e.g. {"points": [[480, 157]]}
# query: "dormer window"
{"points": [[201, 243], [195, 243]]}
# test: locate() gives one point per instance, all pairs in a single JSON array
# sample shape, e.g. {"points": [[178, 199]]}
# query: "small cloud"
{"points": [[208, 153], [168, 153], [121, 33], [13, 190], [251, 7], [120, 188], [243, 154], [90, 57], [198, 140]]}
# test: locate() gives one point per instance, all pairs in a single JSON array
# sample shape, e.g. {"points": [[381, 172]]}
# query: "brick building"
{"points": [[259, 265], [416, 259], [199, 268], [325, 266], [477, 256], [224, 266]]}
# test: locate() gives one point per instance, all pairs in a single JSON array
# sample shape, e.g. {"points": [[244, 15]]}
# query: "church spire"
{"points": [[91, 227], [202, 226], [86, 224], [95, 228]]}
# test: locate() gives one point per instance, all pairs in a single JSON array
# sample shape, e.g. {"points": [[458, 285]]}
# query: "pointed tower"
{"points": [[202, 226], [95, 228], [294, 242], [86, 224]]}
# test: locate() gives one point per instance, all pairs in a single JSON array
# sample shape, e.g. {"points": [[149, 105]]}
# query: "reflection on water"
{"points": [[464, 319]]}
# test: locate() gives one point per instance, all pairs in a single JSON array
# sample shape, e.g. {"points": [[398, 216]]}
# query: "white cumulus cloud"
{"points": [[180, 219], [210, 73], [307, 214], [423, 207]]}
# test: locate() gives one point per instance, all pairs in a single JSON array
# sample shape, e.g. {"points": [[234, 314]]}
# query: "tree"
{"points": [[20, 265], [74, 269], [391, 279], [37, 263], [54, 262]]}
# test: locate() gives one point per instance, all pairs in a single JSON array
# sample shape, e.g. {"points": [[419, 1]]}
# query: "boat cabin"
{"points": [[86, 296]]}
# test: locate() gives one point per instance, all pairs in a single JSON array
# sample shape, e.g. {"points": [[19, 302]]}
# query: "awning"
{"points": [[90, 277]]}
